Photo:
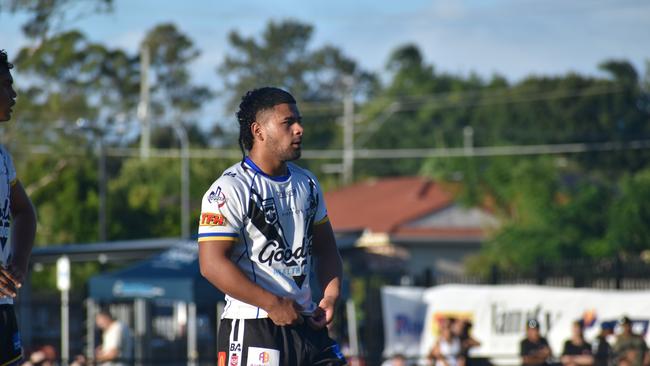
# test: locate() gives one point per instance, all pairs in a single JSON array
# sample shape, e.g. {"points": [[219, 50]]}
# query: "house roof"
{"points": [[385, 204], [414, 207]]}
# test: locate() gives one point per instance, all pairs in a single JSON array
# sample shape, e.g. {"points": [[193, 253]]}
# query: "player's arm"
{"points": [[23, 231], [216, 267], [329, 267]]}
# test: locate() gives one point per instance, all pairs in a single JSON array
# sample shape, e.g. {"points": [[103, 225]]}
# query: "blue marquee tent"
{"points": [[171, 275]]}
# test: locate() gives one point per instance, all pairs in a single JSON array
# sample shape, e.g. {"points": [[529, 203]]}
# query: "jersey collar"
{"points": [[281, 178]]}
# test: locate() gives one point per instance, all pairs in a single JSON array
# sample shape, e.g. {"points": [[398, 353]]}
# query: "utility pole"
{"points": [[143, 106], [101, 178], [348, 130], [185, 178], [468, 140]]}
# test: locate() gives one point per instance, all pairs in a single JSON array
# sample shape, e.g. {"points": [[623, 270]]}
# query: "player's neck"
{"points": [[270, 166]]}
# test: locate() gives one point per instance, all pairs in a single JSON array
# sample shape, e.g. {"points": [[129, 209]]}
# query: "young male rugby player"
{"points": [[263, 226]]}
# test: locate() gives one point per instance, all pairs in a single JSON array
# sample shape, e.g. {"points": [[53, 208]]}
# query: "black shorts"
{"points": [[253, 342], [11, 350]]}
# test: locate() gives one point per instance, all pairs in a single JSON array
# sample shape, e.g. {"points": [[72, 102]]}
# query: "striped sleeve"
{"points": [[221, 217]]}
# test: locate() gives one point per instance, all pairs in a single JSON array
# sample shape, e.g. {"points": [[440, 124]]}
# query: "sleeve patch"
{"points": [[212, 219]]}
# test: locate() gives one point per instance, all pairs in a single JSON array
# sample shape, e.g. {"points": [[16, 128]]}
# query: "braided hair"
{"points": [[5, 65], [253, 102]]}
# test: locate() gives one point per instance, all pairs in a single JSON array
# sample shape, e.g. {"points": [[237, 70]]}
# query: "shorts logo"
{"points": [[16, 341], [270, 212], [264, 357], [218, 197], [258, 356], [212, 219], [234, 360], [221, 360], [337, 351]]}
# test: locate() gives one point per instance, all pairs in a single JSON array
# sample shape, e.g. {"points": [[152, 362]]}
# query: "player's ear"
{"points": [[256, 130]]}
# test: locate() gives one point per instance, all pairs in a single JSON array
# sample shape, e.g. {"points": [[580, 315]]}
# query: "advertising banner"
{"points": [[499, 313]]}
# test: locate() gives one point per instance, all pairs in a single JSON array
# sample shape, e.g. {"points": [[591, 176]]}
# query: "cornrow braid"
{"points": [[253, 102], [5, 65]]}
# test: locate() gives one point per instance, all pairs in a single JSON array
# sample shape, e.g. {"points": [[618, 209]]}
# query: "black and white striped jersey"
{"points": [[271, 219]]}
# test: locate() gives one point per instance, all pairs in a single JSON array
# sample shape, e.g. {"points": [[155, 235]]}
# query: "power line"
{"points": [[465, 98], [454, 152]]}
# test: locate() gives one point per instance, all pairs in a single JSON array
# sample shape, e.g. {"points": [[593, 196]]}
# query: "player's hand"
{"points": [[285, 311], [317, 320], [10, 281], [324, 314]]}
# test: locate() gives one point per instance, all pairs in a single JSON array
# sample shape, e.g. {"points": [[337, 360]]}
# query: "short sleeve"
{"points": [[523, 349], [221, 212], [112, 337], [321, 210]]}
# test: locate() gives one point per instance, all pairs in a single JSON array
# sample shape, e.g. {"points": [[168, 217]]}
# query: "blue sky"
{"points": [[514, 38]]}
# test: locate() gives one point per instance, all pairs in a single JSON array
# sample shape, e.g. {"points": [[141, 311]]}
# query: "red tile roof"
{"points": [[383, 205]]}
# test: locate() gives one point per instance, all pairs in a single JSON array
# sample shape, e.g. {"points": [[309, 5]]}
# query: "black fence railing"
{"points": [[614, 273]]}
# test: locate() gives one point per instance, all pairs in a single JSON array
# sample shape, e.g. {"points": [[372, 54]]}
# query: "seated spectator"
{"points": [[534, 349], [397, 360], [601, 348], [447, 350], [577, 352], [461, 328], [630, 349], [43, 356]]}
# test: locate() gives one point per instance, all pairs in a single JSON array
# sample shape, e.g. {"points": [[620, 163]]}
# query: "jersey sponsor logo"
{"points": [[276, 251], [218, 197], [273, 252], [235, 347], [212, 219], [221, 360], [289, 271], [258, 356], [270, 212], [287, 193], [229, 174]]}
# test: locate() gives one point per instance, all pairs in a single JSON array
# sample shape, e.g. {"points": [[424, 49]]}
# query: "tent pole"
{"points": [[140, 315], [91, 310], [192, 352]]}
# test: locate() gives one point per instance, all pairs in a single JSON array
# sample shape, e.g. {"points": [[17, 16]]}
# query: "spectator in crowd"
{"points": [[447, 350], [601, 348], [461, 328], [42, 356], [577, 352], [534, 349], [630, 349], [397, 360], [117, 346]]}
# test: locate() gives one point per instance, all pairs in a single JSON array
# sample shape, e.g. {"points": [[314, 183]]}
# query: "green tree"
{"points": [[628, 232], [47, 17], [281, 56], [175, 97]]}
